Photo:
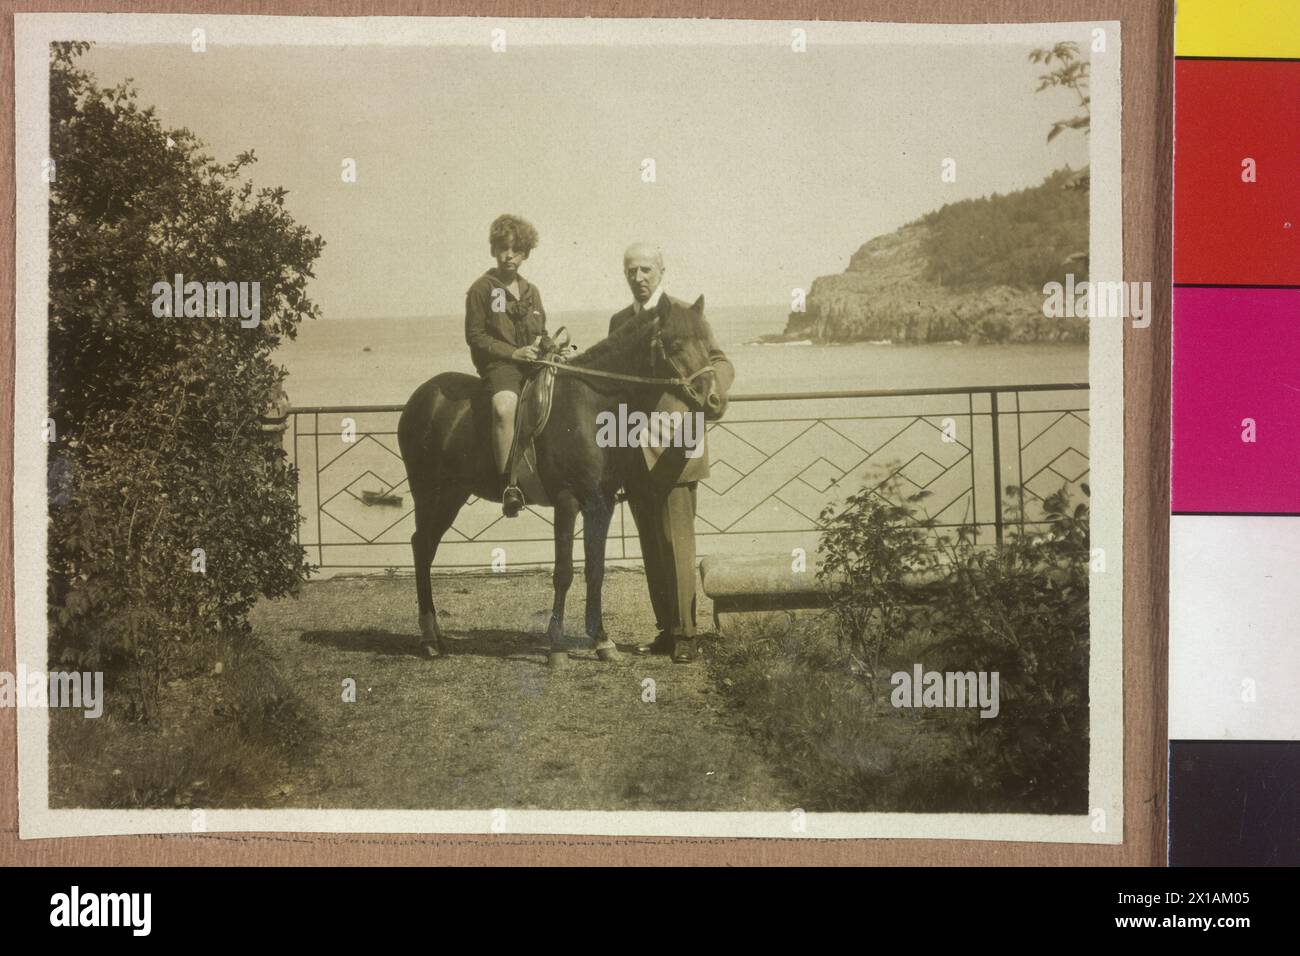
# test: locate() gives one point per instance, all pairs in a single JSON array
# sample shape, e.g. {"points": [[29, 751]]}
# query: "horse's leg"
{"points": [[566, 516], [432, 519], [596, 515]]}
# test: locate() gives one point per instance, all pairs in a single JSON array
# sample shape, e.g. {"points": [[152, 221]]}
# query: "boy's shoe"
{"points": [[512, 501]]}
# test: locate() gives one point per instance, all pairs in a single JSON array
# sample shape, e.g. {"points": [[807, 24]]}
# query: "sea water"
{"points": [[380, 361]]}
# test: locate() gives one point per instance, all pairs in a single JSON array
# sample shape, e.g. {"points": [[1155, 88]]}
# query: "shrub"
{"points": [[159, 450], [869, 547], [1020, 609]]}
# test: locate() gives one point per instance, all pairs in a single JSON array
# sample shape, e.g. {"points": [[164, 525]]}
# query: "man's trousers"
{"points": [[665, 523]]}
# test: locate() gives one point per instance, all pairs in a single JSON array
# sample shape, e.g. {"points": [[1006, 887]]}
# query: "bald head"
{"points": [[643, 267], [644, 250]]}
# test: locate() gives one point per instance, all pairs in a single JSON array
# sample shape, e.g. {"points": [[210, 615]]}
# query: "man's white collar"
{"points": [[650, 303]]}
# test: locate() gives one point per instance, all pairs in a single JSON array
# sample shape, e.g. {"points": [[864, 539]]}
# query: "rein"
{"points": [[622, 376], [680, 380]]}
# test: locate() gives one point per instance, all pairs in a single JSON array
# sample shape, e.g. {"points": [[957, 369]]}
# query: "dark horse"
{"points": [[443, 435]]}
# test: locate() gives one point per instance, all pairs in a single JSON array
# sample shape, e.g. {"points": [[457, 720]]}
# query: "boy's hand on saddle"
{"points": [[525, 353]]}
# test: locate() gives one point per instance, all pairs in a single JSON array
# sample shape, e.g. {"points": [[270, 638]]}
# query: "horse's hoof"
{"points": [[607, 652], [557, 660], [429, 649]]}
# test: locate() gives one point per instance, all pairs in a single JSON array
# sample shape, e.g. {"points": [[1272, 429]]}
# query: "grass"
{"points": [[831, 731], [488, 726], [220, 740], [830, 728], [774, 718]]}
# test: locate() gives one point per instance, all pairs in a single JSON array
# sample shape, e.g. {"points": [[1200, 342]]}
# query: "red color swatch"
{"points": [[1226, 231]]}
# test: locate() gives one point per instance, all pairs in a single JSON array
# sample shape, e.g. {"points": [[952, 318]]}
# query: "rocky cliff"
{"points": [[894, 287]]}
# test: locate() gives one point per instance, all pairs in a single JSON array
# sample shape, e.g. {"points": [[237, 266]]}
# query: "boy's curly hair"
{"points": [[512, 231]]}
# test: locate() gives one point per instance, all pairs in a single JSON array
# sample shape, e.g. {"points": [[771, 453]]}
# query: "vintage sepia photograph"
{"points": [[641, 427]]}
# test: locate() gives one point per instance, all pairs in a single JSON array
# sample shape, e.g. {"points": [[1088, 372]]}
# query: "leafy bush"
{"points": [[159, 450], [869, 549], [1020, 609]]}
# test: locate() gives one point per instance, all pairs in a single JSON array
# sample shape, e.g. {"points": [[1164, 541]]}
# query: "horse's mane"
{"points": [[622, 349], [626, 347]]}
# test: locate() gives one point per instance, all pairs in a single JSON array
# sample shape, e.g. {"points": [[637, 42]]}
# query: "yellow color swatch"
{"points": [[1248, 28]]}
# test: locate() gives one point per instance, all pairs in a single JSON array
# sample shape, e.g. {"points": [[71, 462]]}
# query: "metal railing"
{"points": [[772, 471]]}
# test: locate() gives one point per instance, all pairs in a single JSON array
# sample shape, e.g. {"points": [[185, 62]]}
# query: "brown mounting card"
{"points": [[1140, 165]]}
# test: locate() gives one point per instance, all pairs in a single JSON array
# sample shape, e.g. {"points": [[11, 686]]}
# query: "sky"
{"points": [[771, 168]]}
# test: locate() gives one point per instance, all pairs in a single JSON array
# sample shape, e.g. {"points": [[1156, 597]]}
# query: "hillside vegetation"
{"points": [[971, 271]]}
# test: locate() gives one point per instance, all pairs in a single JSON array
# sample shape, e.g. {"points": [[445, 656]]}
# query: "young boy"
{"points": [[504, 320]]}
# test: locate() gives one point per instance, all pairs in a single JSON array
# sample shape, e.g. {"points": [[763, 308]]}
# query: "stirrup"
{"points": [[512, 504]]}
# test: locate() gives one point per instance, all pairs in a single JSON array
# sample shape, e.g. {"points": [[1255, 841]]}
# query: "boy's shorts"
{"points": [[506, 377]]}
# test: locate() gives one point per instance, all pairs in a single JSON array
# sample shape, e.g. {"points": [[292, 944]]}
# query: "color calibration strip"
{"points": [[1234, 639]]}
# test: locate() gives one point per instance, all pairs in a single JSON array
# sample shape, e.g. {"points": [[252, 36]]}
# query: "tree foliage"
{"points": [[159, 448], [1070, 73], [1023, 239]]}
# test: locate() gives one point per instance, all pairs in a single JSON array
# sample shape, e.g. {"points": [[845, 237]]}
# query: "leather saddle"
{"points": [[532, 413]]}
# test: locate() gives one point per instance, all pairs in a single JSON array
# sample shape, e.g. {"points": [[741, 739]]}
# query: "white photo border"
{"points": [[1103, 824]]}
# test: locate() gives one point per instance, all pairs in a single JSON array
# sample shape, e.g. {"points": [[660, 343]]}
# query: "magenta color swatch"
{"points": [[1236, 355]]}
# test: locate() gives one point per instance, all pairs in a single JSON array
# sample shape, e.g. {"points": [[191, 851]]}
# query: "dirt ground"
{"points": [[489, 725]]}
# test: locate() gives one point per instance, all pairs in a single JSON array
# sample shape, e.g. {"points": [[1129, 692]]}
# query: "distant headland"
{"points": [[972, 271]]}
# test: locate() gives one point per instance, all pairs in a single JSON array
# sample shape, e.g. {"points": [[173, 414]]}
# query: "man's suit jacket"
{"points": [[670, 466]]}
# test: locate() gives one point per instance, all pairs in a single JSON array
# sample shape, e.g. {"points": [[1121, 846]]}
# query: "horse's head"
{"points": [[680, 349], [554, 347]]}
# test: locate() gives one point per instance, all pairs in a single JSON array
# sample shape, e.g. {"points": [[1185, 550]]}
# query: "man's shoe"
{"points": [[684, 650], [512, 501], [662, 644]]}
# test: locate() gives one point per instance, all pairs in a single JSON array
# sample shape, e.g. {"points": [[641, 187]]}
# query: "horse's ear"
{"points": [[698, 306]]}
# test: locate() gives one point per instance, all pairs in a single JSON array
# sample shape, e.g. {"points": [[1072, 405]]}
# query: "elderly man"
{"points": [[661, 487]]}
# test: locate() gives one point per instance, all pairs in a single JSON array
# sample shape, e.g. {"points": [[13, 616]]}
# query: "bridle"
{"points": [[678, 380], [682, 381]]}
